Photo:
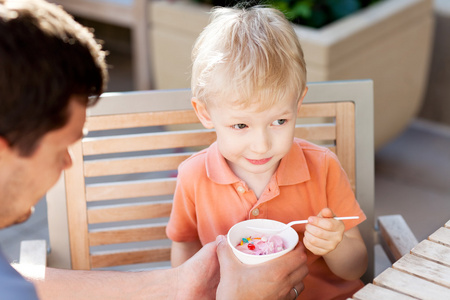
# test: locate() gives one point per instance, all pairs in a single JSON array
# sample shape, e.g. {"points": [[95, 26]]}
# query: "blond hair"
{"points": [[245, 55]]}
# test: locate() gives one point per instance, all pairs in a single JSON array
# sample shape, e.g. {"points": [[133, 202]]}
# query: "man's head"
{"points": [[51, 69], [246, 54], [45, 58]]}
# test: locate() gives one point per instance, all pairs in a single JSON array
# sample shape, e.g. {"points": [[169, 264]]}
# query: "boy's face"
{"points": [[253, 142]]}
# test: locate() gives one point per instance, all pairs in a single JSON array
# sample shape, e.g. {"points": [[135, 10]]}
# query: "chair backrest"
{"points": [[119, 190]]}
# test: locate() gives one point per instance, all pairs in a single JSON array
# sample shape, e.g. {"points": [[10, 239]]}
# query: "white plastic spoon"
{"points": [[274, 231]]}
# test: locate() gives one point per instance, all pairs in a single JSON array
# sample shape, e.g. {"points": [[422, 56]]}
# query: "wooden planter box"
{"points": [[389, 42], [436, 106]]}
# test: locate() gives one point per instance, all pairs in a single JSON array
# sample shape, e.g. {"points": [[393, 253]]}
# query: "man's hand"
{"points": [[274, 279], [198, 277]]}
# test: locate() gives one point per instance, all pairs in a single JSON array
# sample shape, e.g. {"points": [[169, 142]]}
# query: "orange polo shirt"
{"points": [[209, 199]]}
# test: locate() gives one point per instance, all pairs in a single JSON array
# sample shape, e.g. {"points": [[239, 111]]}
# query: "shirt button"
{"points": [[241, 189], [255, 212]]}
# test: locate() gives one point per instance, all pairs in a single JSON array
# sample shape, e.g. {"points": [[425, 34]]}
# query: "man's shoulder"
{"points": [[12, 284]]}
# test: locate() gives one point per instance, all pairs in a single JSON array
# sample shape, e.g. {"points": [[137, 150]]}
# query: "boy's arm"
{"points": [[344, 252], [349, 259], [182, 251]]}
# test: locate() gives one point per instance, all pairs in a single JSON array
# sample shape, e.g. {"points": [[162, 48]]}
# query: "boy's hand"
{"points": [[323, 233]]}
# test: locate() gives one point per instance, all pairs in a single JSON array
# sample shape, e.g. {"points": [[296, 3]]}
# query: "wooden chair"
{"points": [[119, 190], [132, 14], [118, 193]]}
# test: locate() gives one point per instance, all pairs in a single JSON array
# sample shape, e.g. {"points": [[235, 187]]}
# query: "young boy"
{"points": [[248, 82]]}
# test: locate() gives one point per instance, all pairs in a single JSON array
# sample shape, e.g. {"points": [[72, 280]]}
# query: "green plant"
{"points": [[312, 13]]}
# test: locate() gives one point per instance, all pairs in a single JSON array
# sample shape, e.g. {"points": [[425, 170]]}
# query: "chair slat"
{"points": [[325, 132], [312, 110], [117, 213], [141, 120], [127, 235], [101, 260], [132, 189], [141, 142], [131, 165]]}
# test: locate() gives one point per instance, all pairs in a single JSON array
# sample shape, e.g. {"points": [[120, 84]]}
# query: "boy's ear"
{"points": [[300, 101], [202, 113]]}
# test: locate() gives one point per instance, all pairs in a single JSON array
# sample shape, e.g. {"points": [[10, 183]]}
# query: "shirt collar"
{"points": [[293, 168], [217, 168]]}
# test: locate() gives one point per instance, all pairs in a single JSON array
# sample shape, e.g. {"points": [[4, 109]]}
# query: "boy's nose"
{"points": [[261, 142]]}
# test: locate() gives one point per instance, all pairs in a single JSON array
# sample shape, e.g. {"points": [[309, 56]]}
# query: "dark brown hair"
{"points": [[45, 58]]}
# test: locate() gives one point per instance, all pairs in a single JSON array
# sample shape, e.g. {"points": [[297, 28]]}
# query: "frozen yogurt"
{"points": [[261, 245]]}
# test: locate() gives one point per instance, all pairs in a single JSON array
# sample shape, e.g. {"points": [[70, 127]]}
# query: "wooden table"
{"points": [[422, 274]]}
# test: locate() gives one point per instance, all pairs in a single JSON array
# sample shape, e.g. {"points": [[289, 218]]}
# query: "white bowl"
{"points": [[240, 230]]}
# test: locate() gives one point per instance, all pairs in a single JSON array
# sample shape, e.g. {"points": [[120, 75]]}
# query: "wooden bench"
{"points": [[422, 273]]}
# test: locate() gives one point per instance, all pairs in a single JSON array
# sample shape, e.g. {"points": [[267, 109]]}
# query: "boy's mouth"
{"points": [[259, 161]]}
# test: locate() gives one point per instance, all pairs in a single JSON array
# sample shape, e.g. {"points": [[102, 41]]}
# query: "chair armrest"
{"points": [[396, 237], [33, 252]]}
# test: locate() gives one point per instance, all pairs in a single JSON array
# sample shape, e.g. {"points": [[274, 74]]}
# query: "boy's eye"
{"points": [[279, 122], [239, 126]]}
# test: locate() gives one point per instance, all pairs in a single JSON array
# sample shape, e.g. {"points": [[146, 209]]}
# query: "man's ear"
{"points": [[202, 113], [3, 143], [300, 101], [4, 146]]}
